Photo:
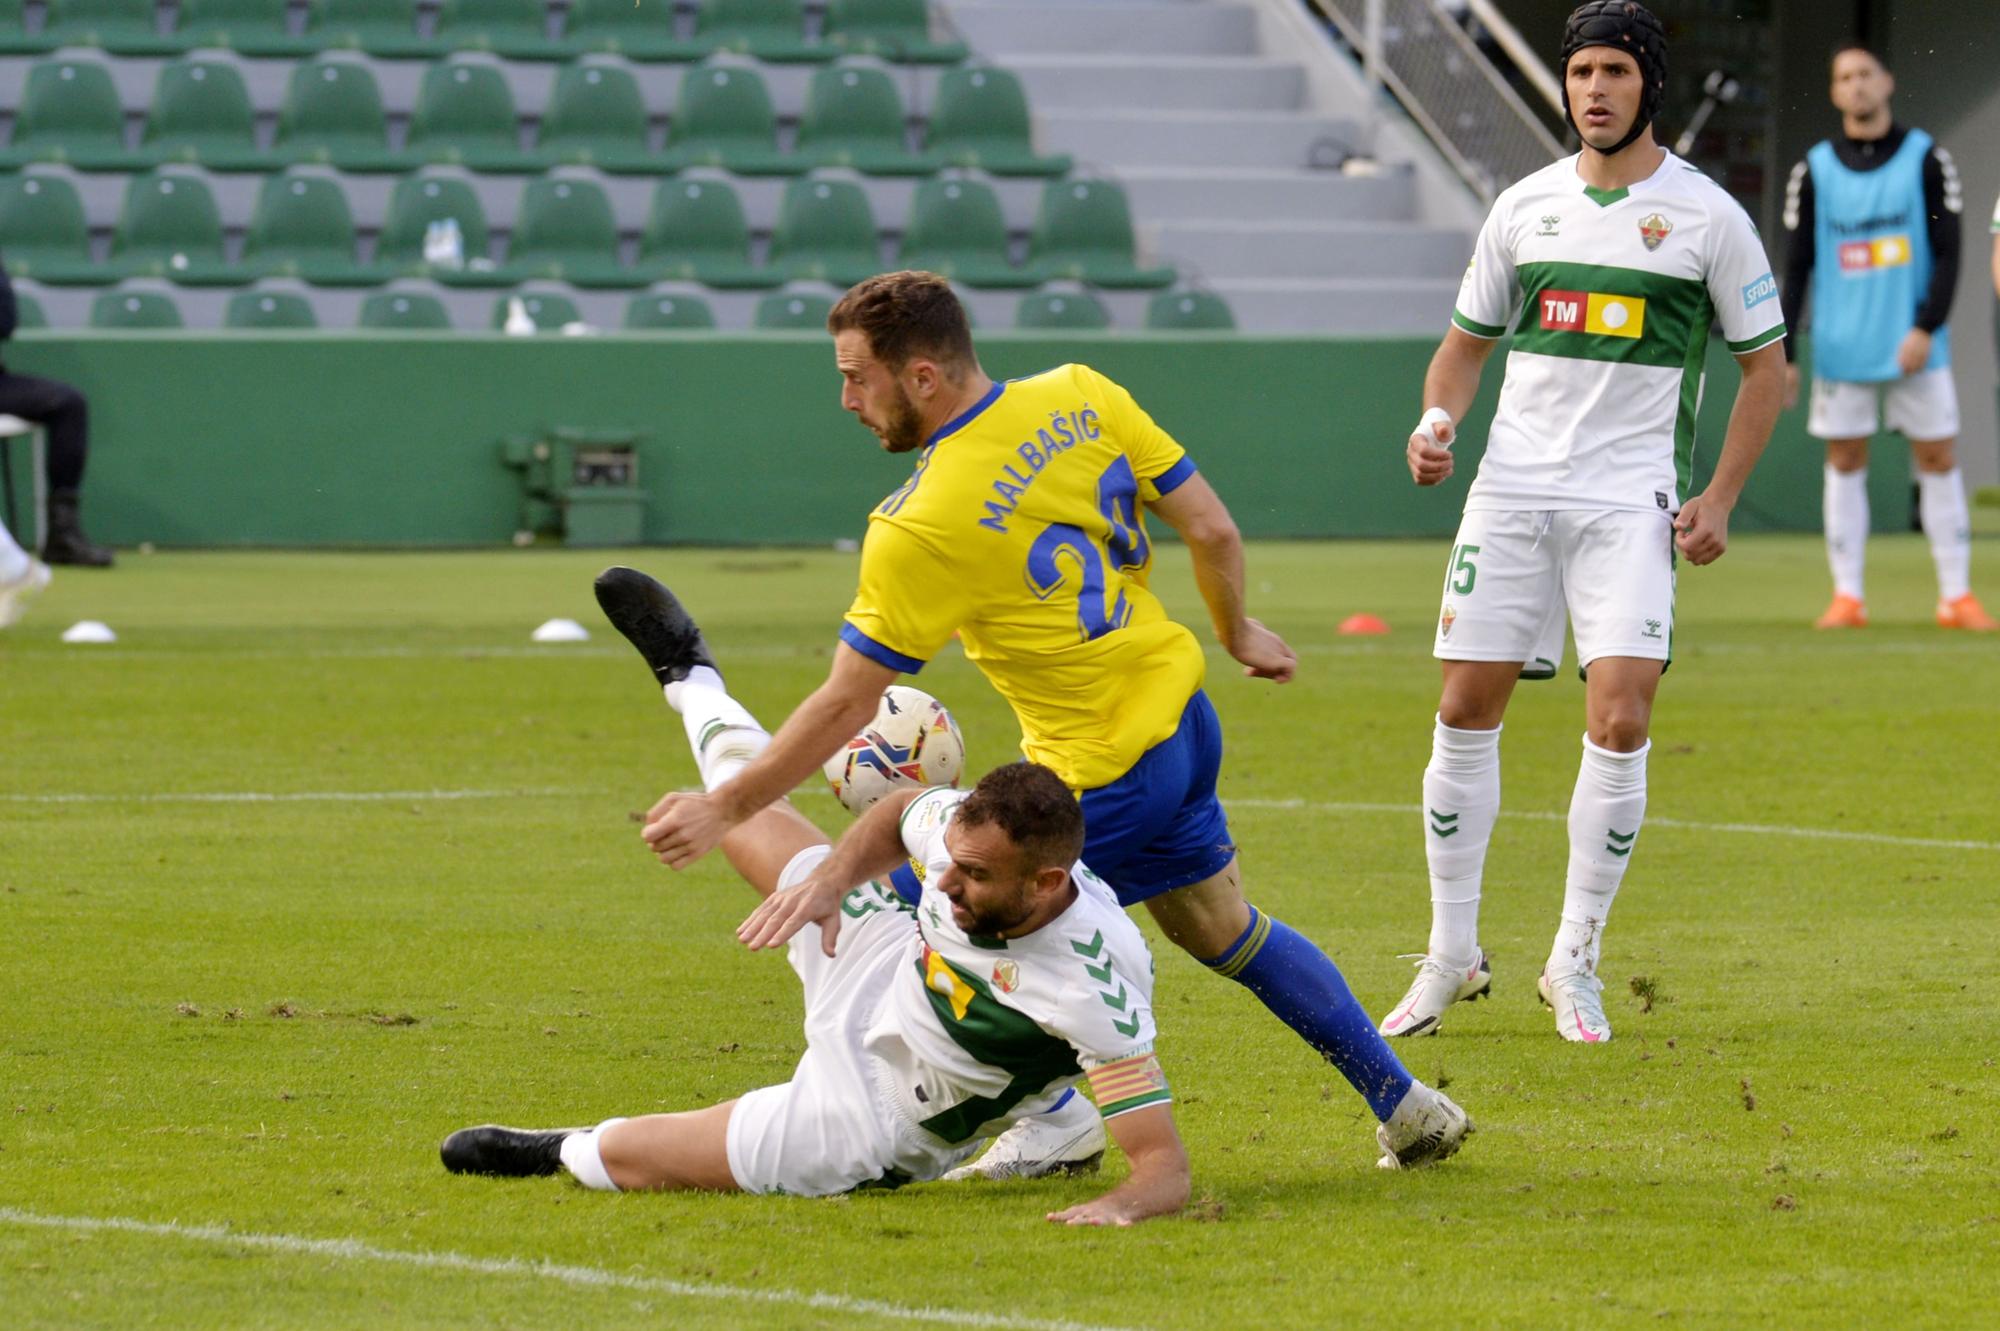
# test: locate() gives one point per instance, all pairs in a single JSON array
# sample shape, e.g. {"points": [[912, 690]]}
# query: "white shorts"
{"points": [[1515, 575], [1923, 407], [834, 1126]]}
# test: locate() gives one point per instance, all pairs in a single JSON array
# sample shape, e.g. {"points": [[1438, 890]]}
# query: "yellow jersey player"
{"points": [[1021, 529]]}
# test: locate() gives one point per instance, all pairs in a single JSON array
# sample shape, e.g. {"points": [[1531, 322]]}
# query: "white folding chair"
{"points": [[12, 428]]}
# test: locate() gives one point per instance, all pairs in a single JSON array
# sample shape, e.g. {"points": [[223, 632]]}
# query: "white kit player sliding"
{"points": [[1616, 261]]}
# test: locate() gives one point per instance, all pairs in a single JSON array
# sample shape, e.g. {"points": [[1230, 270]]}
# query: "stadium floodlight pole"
{"points": [[1720, 88]]}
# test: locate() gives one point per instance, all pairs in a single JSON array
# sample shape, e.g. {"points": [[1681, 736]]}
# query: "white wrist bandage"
{"points": [[1436, 416]]}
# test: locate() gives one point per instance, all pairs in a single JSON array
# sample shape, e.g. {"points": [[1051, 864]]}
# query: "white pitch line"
{"points": [[1751, 829], [291, 796], [584, 1276]]}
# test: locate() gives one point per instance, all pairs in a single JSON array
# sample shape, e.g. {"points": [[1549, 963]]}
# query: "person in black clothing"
{"points": [[59, 409], [1874, 217]]}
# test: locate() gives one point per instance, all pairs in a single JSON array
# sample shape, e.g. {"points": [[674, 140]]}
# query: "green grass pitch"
{"points": [[236, 1030]]}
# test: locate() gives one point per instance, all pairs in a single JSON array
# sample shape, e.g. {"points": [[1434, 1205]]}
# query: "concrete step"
{"points": [[1238, 139], [1129, 27], [1406, 307], [1190, 194], [1128, 84], [1253, 249]]}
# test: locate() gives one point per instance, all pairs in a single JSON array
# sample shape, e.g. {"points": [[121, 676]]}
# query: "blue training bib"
{"points": [[1873, 263]]}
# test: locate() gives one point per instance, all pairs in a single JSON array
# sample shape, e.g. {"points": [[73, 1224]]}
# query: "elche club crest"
{"points": [[1654, 231], [1006, 976], [1445, 621]]}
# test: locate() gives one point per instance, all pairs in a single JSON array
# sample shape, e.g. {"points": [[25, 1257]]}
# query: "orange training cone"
{"points": [[1363, 626]]}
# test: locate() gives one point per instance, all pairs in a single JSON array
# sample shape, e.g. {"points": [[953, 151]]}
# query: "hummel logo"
{"points": [[1444, 824], [1652, 629], [1550, 225], [1619, 843]]}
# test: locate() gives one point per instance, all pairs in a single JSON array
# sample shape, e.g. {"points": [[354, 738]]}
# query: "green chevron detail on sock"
{"points": [[709, 732], [1620, 843], [1444, 824]]}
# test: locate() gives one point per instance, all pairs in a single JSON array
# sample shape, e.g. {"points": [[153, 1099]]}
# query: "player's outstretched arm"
{"points": [[1450, 384], [872, 847], [1702, 527], [1159, 1181], [1193, 509], [685, 826]]}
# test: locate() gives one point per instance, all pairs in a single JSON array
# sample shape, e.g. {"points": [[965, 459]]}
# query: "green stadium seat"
{"points": [[1189, 312], [43, 234], [637, 31], [596, 117], [386, 28], [792, 311], [565, 230], [411, 310], [170, 228], [979, 118], [136, 310], [854, 117], [668, 312], [247, 27], [333, 113], [550, 312], [956, 229], [516, 29], [418, 201], [465, 114], [70, 112], [122, 27], [15, 39], [302, 227], [696, 231], [201, 113], [898, 30], [826, 230], [28, 312], [1069, 311], [773, 30], [269, 309], [724, 118], [1084, 231]]}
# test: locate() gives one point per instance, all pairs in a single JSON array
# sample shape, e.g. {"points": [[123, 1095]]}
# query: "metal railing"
{"points": [[1449, 87]]}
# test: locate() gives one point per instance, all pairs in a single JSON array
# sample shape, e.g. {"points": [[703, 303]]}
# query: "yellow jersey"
{"points": [[1022, 529]]}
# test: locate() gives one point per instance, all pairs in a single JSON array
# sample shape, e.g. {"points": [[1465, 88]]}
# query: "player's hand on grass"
{"points": [[684, 826], [1702, 530], [1263, 654], [1429, 449], [1105, 1210], [1915, 353], [816, 900], [1791, 387]]}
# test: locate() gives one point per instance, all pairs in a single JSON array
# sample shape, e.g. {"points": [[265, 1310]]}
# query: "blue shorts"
{"points": [[1159, 826]]}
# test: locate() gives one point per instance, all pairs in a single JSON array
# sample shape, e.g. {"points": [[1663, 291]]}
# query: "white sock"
{"points": [[13, 559], [581, 1158], [1941, 500], [703, 677], [1604, 818], [1461, 800], [1846, 516], [720, 730]]}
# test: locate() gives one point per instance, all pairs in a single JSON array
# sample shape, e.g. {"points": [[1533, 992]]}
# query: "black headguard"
{"points": [[1627, 26]]}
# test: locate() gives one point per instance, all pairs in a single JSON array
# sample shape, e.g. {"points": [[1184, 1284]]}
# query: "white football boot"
{"points": [[13, 593], [1426, 1128], [1437, 987], [1578, 1002], [1065, 1140]]}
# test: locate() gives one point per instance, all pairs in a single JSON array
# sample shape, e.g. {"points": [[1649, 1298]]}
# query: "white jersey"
{"points": [[1616, 290], [973, 1026]]}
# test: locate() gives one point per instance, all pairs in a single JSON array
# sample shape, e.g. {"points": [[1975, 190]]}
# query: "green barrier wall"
{"points": [[362, 439]]}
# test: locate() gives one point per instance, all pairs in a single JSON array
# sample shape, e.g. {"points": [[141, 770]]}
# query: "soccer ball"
{"points": [[911, 742]]}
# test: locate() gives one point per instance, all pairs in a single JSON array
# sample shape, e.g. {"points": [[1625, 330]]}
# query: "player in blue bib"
{"points": [[1874, 217]]}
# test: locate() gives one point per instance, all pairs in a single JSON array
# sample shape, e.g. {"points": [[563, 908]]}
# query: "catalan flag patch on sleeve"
{"points": [[1129, 1084]]}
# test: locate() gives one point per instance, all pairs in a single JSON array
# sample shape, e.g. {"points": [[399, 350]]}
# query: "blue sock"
{"points": [[1304, 989]]}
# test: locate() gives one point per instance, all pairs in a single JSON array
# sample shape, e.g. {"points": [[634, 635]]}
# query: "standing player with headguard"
{"points": [[1021, 530], [1616, 260], [1874, 216]]}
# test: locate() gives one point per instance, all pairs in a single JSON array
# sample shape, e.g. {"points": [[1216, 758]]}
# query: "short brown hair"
{"points": [[1864, 48], [905, 315], [1034, 808]]}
